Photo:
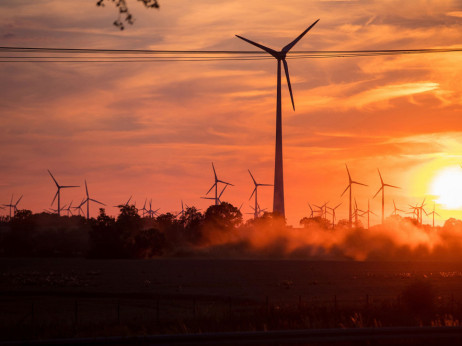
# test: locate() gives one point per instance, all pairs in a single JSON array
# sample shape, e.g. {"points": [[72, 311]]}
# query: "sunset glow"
{"points": [[447, 187], [152, 129]]}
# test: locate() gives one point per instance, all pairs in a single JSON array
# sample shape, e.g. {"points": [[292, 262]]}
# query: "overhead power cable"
{"points": [[42, 54]]}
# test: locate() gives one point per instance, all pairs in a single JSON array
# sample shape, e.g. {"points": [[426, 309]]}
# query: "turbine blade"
{"points": [[265, 184], [94, 200], [294, 42], [266, 49], [53, 178], [54, 197], [214, 172], [222, 191], [345, 190], [211, 188], [348, 171], [357, 183], [18, 201], [396, 187], [378, 193], [86, 189], [255, 189], [67, 186], [286, 68], [380, 175], [252, 177]]}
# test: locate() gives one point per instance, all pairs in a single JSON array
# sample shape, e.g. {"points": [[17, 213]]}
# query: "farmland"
{"points": [[110, 297]]}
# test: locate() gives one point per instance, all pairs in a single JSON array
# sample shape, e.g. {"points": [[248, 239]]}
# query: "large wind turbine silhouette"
{"points": [[87, 200], [382, 188], [58, 193], [215, 185], [255, 192], [278, 198], [350, 183]]}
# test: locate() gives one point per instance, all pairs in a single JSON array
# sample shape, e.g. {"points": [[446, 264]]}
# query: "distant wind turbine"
{"points": [[124, 204], [395, 210], [368, 212], [278, 199], [255, 192], [433, 214], [382, 188], [350, 183], [58, 193], [13, 206], [333, 214], [215, 185], [87, 200]]}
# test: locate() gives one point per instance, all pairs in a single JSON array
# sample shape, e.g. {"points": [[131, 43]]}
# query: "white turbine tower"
{"points": [[278, 199]]}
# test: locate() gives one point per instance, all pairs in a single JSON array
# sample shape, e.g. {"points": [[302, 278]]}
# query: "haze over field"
{"points": [[151, 129]]}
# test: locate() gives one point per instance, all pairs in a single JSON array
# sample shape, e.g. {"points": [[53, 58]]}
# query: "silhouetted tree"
{"points": [[124, 12], [192, 222], [317, 221], [224, 217]]}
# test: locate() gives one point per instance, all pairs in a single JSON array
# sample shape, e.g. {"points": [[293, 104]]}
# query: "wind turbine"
{"points": [[433, 214], [68, 209], [356, 213], [322, 210], [368, 212], [79, 207], [215, 185], [13, 206], [278, 198], [333, 214], [58, 193], [87, 200], [255, 191], [395, 210], [125, 204], [311, 211], [350, 183], [382, 188], [151, 212]]}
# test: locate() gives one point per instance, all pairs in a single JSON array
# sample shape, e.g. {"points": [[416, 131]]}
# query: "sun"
{"points": [[447, 187]]}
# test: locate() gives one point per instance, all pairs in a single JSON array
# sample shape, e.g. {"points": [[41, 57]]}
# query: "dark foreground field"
{"points": [[48, 298]]}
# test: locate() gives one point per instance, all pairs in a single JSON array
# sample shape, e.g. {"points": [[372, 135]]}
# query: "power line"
{"points": [[136, 55]]}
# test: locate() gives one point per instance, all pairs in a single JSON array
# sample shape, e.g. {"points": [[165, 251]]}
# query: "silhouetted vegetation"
{"points": [[124, 12], [220, 231]]}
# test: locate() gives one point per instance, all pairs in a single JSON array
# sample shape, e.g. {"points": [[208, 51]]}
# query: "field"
{"points": [[44, 298]]}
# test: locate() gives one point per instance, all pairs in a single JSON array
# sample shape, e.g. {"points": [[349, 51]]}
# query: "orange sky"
{"points": [[151, 130]]}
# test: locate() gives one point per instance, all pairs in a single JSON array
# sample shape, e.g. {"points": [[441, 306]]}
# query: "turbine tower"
{"points": [[87, 200], [215, 185], [382, 188], [58, 193], [333, 214], [255, 191], [433, 214], [368, 212], [278, 199], [350, 183]]}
